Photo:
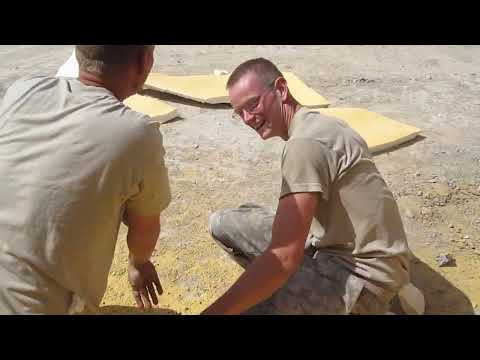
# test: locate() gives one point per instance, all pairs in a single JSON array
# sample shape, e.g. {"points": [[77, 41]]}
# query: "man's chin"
{"points": [[265, 134]]}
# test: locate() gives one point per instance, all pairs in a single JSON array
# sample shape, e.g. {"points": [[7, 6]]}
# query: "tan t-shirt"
{"points": [[72, 159], [357, 218]]}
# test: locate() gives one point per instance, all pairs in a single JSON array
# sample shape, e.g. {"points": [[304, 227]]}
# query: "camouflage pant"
{"points": [[320, 286]]}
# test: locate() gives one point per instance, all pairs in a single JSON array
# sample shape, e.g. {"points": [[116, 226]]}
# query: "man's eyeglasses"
{"points": [[252, 106]]}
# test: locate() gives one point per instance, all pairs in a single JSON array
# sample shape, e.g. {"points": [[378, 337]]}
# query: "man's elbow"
{"points": [[143, 224], [290, 260]]}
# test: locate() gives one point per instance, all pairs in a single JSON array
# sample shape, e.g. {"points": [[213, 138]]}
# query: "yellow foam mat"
{"points": [[202, 88], [304, 94], [379, 132], [211, 89], [158, 110]]}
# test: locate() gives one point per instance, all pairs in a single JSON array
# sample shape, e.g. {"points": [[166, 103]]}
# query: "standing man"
{"points": [[336, 244], [74, 163]]}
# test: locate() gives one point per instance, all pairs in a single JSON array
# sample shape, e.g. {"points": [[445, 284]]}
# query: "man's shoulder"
{"points": [[25, 83], [131, 126], [331, 131], [313, 123], [32, 79]]}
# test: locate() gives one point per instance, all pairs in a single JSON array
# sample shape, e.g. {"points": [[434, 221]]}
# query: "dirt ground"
{"points": [[215, 162]]}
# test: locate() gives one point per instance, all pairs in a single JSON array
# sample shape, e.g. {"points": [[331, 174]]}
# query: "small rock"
{"points": [[433, 181], [420, 193], [466, 237], [451, 226], [220, 72], [417, 174], [195, 146], [444, 260], [409, 214], [425, 211]]}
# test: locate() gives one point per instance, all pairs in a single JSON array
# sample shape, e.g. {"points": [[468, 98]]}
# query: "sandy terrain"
{"points": [[216, 162]]}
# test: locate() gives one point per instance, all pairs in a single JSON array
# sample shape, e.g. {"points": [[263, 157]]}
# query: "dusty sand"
{"points": [[436, 179]]}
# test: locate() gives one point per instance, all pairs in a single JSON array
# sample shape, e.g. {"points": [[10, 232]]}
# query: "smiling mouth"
{"points": [[259, 126]]}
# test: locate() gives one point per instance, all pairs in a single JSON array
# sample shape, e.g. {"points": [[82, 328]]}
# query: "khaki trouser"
{"points": [[321, 285]]}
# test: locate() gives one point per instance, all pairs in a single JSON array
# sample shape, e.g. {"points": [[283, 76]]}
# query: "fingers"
{"points": [[145, 298], [156, 280], [151, 291]]}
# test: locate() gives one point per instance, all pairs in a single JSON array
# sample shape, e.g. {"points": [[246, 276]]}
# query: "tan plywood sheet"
{"points": [[380, 132], [304, 94], [158, 110], [211, 89]]}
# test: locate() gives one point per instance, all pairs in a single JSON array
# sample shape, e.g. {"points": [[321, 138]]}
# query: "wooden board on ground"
{"points": [[158, 110], [211, 89], [380, 132]]}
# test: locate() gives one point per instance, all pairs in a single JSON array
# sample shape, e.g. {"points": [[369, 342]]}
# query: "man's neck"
{"points": [[290, 109], [90, 79]]}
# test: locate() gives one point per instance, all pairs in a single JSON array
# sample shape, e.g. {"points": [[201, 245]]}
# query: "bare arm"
{"points": [[271, 270], [143, 232]]}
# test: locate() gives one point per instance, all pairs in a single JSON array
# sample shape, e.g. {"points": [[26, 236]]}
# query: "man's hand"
{"points": [[142, 279]]}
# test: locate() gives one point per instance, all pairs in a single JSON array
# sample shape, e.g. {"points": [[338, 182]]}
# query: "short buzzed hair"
{"points": [[101, 59], [263, 68]]}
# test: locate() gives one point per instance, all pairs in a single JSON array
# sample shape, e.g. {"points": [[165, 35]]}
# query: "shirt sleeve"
{"points": [[154, 188], [307, 166]]}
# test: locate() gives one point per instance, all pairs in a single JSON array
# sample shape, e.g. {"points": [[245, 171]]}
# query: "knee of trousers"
{"points": [[215, 225]]}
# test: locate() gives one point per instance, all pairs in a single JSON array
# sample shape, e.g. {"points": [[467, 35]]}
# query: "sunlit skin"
{"points": [[267, 110]]}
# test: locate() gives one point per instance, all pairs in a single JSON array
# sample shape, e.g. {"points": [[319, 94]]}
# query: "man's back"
{"points": [[71, 157]]}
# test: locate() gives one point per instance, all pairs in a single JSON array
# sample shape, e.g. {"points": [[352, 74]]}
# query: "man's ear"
{"points": [[144, 61], [281, 88]]}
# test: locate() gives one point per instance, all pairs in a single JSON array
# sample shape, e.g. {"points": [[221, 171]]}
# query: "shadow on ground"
{"points": [[441, 296], [130, 310], [181, 100], [415, 140]]}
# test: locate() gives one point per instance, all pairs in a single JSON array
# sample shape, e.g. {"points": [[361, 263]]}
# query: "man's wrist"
{"points": [[136, 261]]}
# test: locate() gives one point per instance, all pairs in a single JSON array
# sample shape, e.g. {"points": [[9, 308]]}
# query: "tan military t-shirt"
{"points": [[357, 218], [72, 159]]}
